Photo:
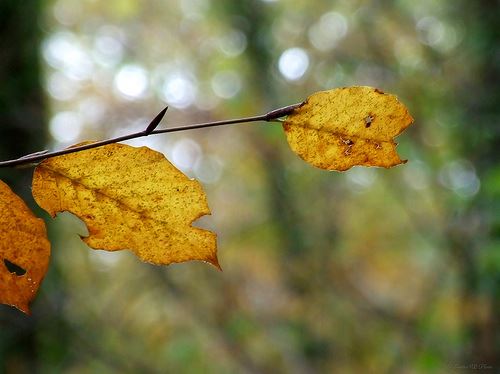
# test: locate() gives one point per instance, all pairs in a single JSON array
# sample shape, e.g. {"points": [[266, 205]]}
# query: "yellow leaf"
{"points": [[350, 126], [24, 251], [129, 198]]}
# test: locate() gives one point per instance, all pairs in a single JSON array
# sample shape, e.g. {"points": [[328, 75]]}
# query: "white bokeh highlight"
{"points": [[226, 84], [179, 90], [325, 34], [293, 63], [131, 81], [185, 153], [66, 127]]}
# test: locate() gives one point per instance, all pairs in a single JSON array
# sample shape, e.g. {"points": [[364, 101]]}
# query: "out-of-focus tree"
{"points": [[22, 130]]}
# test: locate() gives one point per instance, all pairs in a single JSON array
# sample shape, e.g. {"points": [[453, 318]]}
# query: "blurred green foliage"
{"points": [[366, 271]]}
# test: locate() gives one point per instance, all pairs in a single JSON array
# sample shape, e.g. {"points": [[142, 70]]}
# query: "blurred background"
{"points": [[370, 270]]}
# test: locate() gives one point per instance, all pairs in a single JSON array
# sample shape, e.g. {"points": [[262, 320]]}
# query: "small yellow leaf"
{"points": [[24, 251], [129, 198], [350, 126]]}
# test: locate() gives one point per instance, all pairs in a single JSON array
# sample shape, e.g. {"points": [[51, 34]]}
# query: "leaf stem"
{"points": [[149, 130]]}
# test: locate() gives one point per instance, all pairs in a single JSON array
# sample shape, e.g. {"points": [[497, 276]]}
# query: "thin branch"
{"points": [[150, 130]]}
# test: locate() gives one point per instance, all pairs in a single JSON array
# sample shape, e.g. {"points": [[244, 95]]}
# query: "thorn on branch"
{"points": [[155, 122]]}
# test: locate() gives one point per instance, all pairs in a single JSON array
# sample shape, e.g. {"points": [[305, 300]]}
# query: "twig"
{"points": [[150, 130]]}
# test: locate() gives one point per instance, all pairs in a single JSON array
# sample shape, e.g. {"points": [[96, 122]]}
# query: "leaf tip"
{"points": [[213, 260], [23, 307]]}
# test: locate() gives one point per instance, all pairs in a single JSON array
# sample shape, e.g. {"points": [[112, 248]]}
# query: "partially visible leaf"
{"points": [[129, 198], [350, 126], [24, 251]]}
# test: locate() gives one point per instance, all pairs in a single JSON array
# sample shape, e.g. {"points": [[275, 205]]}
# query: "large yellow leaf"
{"points": [[129, 198], [24, 251], [350, 126]]}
